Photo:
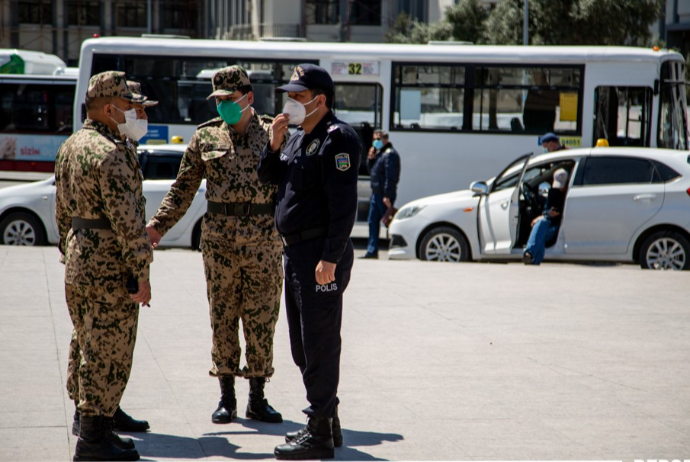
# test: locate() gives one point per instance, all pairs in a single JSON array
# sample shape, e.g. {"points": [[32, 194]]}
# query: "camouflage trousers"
{"points": [[243, 281], [102, 346]]}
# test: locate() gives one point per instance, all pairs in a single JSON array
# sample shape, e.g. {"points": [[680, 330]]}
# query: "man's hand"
{"points": [[553, 212], [154, 236], [387, 202], [325, 272], [144, 294], [278, 129], [372, 154], [536, 219]]}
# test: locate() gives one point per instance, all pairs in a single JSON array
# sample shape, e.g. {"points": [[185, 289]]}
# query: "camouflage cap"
{"points": [[229, 79], [108, 84], [135, 88]]}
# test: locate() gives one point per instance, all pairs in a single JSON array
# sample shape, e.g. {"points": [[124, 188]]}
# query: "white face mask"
{"points": [[297, 111], [133, 128]]}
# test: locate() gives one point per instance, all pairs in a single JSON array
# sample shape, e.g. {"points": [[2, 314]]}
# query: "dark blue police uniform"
{"points": [[316, 206]]}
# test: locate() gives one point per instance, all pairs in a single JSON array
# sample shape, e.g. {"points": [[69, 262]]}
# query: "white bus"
{"points": [[456, 113]]}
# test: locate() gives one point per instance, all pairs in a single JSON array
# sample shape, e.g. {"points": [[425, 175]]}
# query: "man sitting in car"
{"points": [[545, 226]]}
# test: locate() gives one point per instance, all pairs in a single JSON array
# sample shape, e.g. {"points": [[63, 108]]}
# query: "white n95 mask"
{"points": [[133, 128], [297, 111]]}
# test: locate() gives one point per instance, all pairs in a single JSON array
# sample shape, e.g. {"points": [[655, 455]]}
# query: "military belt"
{"points": [[240, 209], [305, 235], [90, 223]]}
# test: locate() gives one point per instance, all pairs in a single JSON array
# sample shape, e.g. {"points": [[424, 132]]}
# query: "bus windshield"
{"points": [[672, 107]]}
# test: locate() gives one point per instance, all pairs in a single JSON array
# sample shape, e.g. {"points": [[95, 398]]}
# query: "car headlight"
{"points": [[409, 212]]}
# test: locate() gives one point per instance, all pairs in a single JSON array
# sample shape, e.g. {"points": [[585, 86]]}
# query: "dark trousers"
{"points": [[376, 211], [314, 314]]}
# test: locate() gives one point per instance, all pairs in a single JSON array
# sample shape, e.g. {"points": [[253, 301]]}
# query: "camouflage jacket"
{"points": [[98, 176], [228, 161]]}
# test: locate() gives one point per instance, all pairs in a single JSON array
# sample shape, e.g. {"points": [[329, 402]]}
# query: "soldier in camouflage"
{"points": [[240, 246], [121, 420], [100, 217]]}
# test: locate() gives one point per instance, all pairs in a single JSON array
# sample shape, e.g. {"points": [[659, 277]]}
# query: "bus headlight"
{"points": [[408, 212]]}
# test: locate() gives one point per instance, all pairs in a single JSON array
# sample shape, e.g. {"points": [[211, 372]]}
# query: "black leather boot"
{"points": [[95, 442], [258, 407], [124, 423], [316, 442], [335, 428], [227, 407], [75, 423], [119, 441]]}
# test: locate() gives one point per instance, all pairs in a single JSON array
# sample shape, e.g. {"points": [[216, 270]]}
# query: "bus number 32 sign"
{"points": [[358, 68]]}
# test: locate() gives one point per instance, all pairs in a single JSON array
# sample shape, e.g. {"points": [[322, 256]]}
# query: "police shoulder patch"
{"points": [[342, 161], [313, 147], [333, 128]]}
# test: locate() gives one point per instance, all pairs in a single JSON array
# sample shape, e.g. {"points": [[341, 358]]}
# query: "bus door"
{"points": [[499, 211]]}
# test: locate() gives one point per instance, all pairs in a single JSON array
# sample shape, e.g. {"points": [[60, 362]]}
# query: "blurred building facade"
{"points": [[59, 26]]}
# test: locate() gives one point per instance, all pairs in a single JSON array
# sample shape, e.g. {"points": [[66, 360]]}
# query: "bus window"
{"points": [[428, 97], [622, 115], [673, 122], [360, 105], [526, 99], [32, 108], [181, 84]]}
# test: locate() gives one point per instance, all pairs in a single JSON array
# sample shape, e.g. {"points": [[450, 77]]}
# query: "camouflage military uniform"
{"points": [[242, 254], [97, 177], [74, 357]]}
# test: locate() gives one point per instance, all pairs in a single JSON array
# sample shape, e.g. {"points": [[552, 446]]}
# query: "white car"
{"points": [[27, 212], [622, 205]]}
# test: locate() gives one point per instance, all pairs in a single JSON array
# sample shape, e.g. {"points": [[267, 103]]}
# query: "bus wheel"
{"points": [[22, 229], [665, 250], [444, 244]]}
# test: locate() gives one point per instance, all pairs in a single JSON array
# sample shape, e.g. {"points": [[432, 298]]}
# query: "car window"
{"points": [[665, 173], [618, 170], [160, 167]]}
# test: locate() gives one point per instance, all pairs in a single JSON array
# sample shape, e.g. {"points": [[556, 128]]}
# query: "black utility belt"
{"points": [[90, 223], [305, 235], [240, 209]]}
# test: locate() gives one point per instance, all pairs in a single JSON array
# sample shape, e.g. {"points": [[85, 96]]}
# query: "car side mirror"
{"points": [[479, 187]]}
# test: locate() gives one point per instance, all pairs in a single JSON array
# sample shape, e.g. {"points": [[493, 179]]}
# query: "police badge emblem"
{"points": [[313, 147], [342, 161]]}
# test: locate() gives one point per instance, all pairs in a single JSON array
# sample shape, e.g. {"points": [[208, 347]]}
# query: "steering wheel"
{"points": [[530, 197]]}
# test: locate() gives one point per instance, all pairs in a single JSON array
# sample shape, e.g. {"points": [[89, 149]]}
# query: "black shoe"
{"points": [[369, 255], [119, 441], [227, 407], [336, 431], [258, 407], [96, 443], [527, 258], [124, 423], [315, 442]]}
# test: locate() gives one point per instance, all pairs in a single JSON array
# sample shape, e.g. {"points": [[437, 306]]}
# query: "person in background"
{"points": [[383, 163], [551, 143]]}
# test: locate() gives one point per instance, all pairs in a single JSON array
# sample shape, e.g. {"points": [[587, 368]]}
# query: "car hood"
{"points": [[447, 198], [20, 189]]}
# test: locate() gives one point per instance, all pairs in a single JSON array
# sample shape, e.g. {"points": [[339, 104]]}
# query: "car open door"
{"points": [[499, 211]]}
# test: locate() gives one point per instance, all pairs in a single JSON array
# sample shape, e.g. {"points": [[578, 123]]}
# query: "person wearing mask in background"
{"points": [[316, 174], [239, 243], [545, 227], [100, 215], [383, 163], [551, 143], [122, 422]]}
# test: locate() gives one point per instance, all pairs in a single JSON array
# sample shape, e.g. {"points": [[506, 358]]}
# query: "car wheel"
{"points": [[22, 229], [444, 244], [666, 250]]}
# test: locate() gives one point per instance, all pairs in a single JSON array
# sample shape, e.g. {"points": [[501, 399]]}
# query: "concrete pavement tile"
{"points": [[28, 419], [37, 443]]}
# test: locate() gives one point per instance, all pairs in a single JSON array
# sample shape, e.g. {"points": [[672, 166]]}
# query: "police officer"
{"points": [[240, 246], [100, 214], [317, 203], [121, 420], [383, 164]]}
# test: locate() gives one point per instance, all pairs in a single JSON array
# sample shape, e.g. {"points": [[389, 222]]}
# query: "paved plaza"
{"points": [[440, 362]]}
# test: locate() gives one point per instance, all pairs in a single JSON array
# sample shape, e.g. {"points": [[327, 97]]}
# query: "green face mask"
{"points": [[230, 111]]}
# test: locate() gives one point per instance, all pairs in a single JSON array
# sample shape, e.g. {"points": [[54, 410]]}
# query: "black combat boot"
{"points": [[227, 407], [335, 428], [314, 443], [258, 407], [124, 423], [95, 442], [119, 441]]}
